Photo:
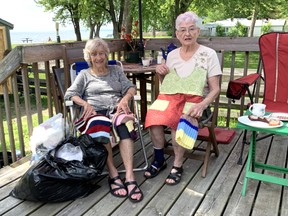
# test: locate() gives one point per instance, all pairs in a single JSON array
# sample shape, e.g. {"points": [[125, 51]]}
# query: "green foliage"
{"points": [[238, 30], [266, 28], [220, 31]]}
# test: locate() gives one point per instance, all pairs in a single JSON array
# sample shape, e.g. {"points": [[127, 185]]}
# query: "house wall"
{"points": [[257, 31], [4, 45], [3, 41], [210, 28]]}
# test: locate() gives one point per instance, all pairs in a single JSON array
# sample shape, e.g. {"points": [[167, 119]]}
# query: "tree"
{"points": [[93, 17], [65, 11], [253, 9]]}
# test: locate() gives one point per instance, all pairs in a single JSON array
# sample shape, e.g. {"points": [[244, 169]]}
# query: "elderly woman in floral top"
{"points": [[189, 83]]}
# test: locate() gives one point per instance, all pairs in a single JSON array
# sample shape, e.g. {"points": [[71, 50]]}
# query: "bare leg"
{"points": [[179, 155], [113, 171], [127, 149], [157, 136]]}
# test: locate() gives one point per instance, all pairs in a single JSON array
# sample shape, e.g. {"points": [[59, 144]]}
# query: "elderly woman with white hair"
{"points": [[189, 83], [105, 89]]}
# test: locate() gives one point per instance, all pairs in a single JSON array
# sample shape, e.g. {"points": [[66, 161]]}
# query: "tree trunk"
{"points": [[253, 21], [97, 32], [113, 19], [77, 29], [127, 17], [173, 17]]}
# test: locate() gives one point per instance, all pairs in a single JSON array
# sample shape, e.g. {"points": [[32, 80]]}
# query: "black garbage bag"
{"points": [[54, 179], [93, 152]]}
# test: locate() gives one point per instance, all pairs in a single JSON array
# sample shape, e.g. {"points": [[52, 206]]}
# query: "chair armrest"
{"points": [[137, 97], [69, 103]]}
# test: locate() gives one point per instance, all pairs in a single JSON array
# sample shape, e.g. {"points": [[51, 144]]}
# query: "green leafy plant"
{"points": [[220, 31]]}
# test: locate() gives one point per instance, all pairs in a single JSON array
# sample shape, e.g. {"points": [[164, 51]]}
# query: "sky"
{"points": [[25, 15]]}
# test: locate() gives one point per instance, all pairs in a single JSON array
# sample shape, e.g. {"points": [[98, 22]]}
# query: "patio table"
{"points": [[252, 163], [138, 71]]}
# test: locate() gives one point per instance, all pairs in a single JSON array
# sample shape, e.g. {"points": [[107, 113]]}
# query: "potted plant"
{"points": [[132, 55]]}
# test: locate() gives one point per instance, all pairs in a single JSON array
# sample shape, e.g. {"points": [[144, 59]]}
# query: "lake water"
{"points": [[42, 37]]}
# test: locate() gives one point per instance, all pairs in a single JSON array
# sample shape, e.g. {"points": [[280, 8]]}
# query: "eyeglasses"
{"points": [[94, 54], [189, 30]]}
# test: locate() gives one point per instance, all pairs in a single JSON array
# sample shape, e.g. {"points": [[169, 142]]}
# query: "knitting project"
{"points": [[187, 131], [97, 126], [128, 120]]}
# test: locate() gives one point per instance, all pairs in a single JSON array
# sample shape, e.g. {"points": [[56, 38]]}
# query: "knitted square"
{"points": [[97, 126], [128, 120], [187, 131]]}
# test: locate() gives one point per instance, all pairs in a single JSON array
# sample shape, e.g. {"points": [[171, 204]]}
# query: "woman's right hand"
{"points": [[88, 111], [162, 69]]}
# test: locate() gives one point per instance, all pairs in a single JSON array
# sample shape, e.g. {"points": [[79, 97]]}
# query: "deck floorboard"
{"points": [[219, 193]]}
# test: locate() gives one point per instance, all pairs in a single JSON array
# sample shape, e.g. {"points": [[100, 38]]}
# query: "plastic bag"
{"points": [[54, 179], [70, 152], [47, 136]]}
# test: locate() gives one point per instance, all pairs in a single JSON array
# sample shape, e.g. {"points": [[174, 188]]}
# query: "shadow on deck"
{"points": [[217, 194]]}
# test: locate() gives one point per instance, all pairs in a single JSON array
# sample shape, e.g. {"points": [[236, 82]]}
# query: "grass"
{"points": [[239, 60], [222, 122], [24, 122]]}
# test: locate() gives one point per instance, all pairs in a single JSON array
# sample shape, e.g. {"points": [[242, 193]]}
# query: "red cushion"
{"points": [[223, 135]]}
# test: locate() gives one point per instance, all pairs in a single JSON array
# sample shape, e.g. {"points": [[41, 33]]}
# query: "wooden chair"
{"points": [[209, 134], [56, 77]]}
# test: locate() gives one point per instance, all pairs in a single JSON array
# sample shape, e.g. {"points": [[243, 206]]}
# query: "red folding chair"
{"points": [[274, 54]]}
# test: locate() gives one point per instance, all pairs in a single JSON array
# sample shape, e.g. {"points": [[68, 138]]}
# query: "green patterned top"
{"points": [[193, 84]]}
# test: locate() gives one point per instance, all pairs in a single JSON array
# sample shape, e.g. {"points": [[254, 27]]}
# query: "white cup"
{"points": [[145, 62], [257, 109]]}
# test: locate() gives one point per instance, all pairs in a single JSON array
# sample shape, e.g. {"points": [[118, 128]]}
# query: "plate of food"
{"points": [[260, 122], [280, 115]]}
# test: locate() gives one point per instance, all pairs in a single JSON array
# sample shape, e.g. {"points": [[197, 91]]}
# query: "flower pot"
{"points": [[132, 57]]}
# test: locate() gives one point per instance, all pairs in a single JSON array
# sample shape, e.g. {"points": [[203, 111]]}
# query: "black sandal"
{"points": [[133, 191], [154, 169], [176, 176], [112, 181]]}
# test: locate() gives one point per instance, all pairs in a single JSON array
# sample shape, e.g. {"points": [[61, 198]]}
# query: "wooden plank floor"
{"points": [[217, 194]]}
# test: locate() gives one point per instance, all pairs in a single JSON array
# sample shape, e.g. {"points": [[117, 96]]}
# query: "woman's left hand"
{"points": [[196, 110], [123, 106]]}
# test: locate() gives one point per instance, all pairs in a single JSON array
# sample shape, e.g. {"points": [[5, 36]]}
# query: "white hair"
{"points": [[186, 17], [93, 45]]}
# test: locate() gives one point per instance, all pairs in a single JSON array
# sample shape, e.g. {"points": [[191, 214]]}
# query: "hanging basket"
{"points": [[132, 57]]}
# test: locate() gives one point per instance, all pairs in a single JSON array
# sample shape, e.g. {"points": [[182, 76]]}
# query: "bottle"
{"points": [[159, 57]]}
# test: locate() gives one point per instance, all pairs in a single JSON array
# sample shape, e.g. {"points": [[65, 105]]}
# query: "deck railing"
{"points": [[22, 109]]}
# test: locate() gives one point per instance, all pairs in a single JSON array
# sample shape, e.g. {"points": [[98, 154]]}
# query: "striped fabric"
{"points": [[97, 126], [187, 131]]}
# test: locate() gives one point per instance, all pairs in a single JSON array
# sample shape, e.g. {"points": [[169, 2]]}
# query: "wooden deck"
{"points": [[217, 194]]}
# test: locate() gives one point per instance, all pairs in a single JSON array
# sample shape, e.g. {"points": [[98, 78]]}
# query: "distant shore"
{"points": [[50, 36]]}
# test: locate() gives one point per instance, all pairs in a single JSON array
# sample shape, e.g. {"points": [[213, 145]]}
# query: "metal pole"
{"points": [[141, 47], [57, 33]]}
